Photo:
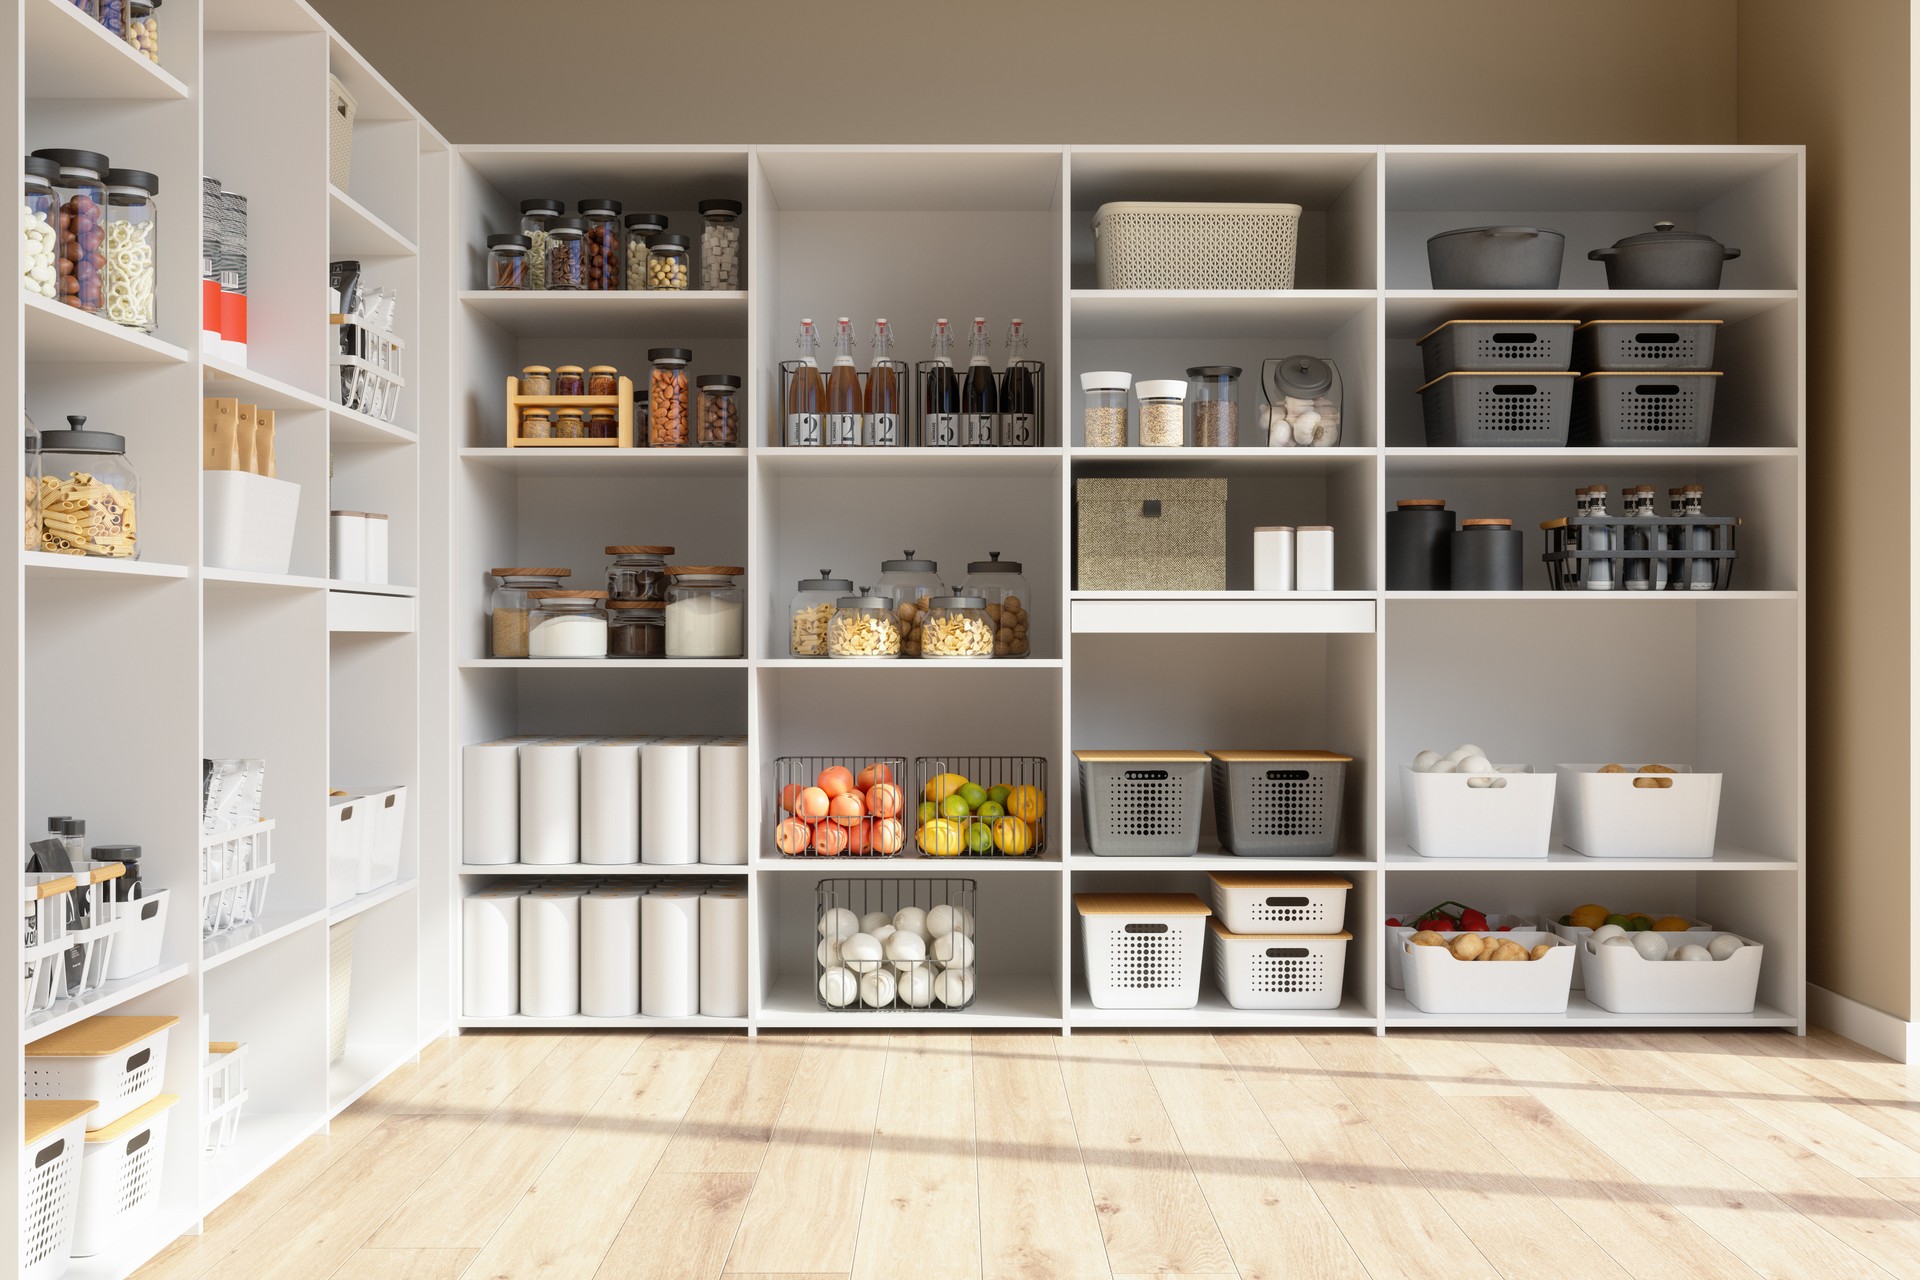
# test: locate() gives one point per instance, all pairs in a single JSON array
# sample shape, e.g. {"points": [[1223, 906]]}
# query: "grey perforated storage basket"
{"points": [[1511, 410], [1496, 346], [1142, 804], [1635, 346], [1273, 804], [1644, 409], [1143, 244]]}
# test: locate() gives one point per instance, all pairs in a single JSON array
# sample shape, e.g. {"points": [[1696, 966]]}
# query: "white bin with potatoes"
{"points": [[1697, 972], [1462, 805], [1528, 972], [1644, 811], [1398, 935], [1141, 950], [1276, 940]]}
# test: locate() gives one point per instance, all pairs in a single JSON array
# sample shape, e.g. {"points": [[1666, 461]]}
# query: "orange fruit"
{"points": [[1590, 916], [1029, 804], [1671, 924]]}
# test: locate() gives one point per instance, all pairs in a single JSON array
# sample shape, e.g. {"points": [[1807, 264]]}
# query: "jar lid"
{"points": [[865, 602], [636, 604], [1273, 528], [723, 209], [602, 368], [1486, 524], [669, 355], [668, 242], [637, 550], [78, 441], [525, 572], [1161, 389], [32, 440], [605, 411], [139, 179], [116, 853], [570, 368], [599, 204], [1303, 377], [511, 240], [1215, 371], [1318, 528], [535, 413], [1404, 503], [826, 582], [707, 570], [68, 158], [909, 564], [41, 167], [994, 564], [566, 595], [543, 206], [1106, 380], [571, 413], [347, 513], [958, 602], [1663, 233], [657, 221], [568, 224], [719, 381]]}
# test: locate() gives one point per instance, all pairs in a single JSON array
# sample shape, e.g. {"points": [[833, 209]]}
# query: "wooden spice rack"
{"points": [[623, 401]]}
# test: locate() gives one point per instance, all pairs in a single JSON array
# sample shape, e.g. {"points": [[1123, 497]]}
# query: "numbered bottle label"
{"points": [[976, 429], [1016, 429], [882, 429], [803, 429], [943, 429], [843, 429]]}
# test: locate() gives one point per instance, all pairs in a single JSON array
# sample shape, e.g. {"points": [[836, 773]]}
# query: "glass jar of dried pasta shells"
{"points": [[88, 493]]}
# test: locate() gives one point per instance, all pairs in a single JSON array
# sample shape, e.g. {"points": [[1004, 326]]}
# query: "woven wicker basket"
{"points": [[1140, 244], [1151, 535], [339, 987], [340, 112]]}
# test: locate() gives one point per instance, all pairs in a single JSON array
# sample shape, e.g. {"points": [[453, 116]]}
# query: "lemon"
{"points": [[942, 785], [1012, 836], [1671, 924], [940, 838], [1591, 916]]}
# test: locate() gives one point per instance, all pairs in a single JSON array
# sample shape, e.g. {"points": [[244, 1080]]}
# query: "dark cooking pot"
{"points": [[1496, 258], [1664, 259]]}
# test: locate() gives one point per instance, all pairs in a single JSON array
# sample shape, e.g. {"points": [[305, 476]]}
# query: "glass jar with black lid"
{"points": [[536, 217], [605, 250]]}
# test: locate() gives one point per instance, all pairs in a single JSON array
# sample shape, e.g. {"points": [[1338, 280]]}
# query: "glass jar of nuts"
{"points": [[957, 627], [811, 611], [667, 398], [719, 412], [911, 584], [668, 262], [863, 626], [1001, 585]]}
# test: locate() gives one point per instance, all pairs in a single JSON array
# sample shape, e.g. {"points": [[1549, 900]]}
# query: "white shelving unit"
{"points": [[1715, 681]]}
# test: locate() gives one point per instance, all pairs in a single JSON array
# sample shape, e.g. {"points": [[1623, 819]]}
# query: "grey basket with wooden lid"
{"points": [[1142, 804], [1278, 804]]}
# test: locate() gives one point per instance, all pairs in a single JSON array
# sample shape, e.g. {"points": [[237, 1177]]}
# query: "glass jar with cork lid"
{"points": [[567, 624], [636, 629], [509, 606], [706, 611], [638, 573]]}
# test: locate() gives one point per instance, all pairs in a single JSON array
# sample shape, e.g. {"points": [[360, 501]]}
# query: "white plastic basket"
{"points": [[1438, 983], [349, 823], [248, 521], [371, 382], [143, 930], [223, 1084], [383, 818], [1576, 935], [118, 1062], [1397, 936], [1604, 815], [120, 1176], [50, 1185], [43, 938], [341, 108], [1619, 980], [1447, 818], [235, 867], [1258, 902], [1150, 244], [1142, 950], [1279, 971], [339, 986]]}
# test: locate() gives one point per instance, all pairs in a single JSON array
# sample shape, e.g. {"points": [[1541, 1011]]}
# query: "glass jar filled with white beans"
{"points": [[39, 222], [720, 245], [133, 239], [641, 227]]}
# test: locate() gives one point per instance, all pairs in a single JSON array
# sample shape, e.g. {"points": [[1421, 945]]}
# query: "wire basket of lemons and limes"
{"points": [[981, 806]]}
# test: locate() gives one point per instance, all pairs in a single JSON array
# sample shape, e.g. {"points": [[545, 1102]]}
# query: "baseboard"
{"points": [[1863, 1024]]}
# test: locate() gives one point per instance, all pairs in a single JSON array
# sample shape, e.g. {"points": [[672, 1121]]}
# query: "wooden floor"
{"points": [[1248, 1154]]}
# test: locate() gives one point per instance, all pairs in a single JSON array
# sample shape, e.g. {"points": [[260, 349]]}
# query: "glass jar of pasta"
{"points": [[88, 493]]}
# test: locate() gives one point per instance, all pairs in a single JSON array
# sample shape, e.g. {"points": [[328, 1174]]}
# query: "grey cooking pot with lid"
{"points": [[1496, 258], [1664, 259]]}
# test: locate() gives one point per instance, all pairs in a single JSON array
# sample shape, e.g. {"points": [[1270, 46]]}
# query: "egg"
{"points": [[881, 931], [1723, 946], [1606, 931], [1424, 762], [915, 985], [839, 987], [911, 920], [1473, 764], [1464, 750], [873, 920], [953, 951], [954, 987], [1650, 945], [944, 919], [829, 953], [901, 945], [1441, 766], [1305, 423], [876, 988], [838, 922], [1483, 784], [861, 953], [1693, 951]]}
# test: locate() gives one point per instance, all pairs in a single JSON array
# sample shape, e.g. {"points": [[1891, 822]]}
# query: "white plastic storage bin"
{"points": [[143, 930], [1605, 815], [50, 1185], [1143, 804], [1270, 804], [1152, 244], [1142, 950], [1447, 818], [1695, 932], [236, 867], [120, 1176], [1279, 971], [249, 521], [118, 1062], [339, 986], [1620, 980], [1273, 902], [1397, 941], [383, 819], [1438, 983], [348, 824], [223, 1088]]}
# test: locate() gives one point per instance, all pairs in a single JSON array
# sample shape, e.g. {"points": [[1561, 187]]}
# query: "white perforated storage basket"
{"points": [[1438, 983], [1619, 980], [341, 109], [1273, 804], [50, 1185], [120, 1176], [117, 1062], [1142, 804], [1447, 818], [1141, 950], [1269, 902], [1397, 936], [1150, 244], [1604, 815], [1279, 971]]}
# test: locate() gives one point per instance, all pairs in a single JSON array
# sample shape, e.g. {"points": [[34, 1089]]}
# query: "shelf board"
{"points": [[359, 1070], [59, 334], [247, 578], [1581, 1013], [1404, 461], [1597, 597], [1400, 858], [270, 928], [835, 465], [603, 664], [913, 862], [263, 1139], [217, 375], [1413, 313], [586, 464], [1214, 313], [372, 898], [909, 664], [350, 426], [1208, 860], [1000, 1000], [68, 1011], [1220, 613], [613, 313], [1214, 1011], [45, 565], [371, 588], [602, 869], [355, 231], [640, 1021], [1134, 460], [71, 55]]}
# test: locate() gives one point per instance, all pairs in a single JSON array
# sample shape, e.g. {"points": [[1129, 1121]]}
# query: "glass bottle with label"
{"points": [[1599, 572], [845, 405], [940, 423], [1636, 570], [1700, 573], [979, 394], [1018, 400], [882, 406], [806, 393]]}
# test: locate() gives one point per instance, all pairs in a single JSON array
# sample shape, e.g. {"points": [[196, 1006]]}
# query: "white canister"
{"points": [[1273, 558], [490, 802], [670, 953], [550, 953], [550, 801], [723, 801], [723, 952], [490, 953], [347, 546], [376, 539], [610, 952], [1313, 557], [670, 802], [610, 802]]}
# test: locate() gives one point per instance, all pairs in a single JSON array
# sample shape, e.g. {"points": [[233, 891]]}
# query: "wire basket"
{"points": [[235, 867], [367, 370], [937, 421], [816, 428], [936, 974], [875, 827], [977, 834], [1680, 553]]}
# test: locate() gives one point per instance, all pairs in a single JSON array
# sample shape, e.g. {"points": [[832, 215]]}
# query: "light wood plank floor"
{"points": [[1257, 1155]]}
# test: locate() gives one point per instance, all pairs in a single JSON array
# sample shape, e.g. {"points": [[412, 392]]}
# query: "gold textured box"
{"points": [[1150, 535]]}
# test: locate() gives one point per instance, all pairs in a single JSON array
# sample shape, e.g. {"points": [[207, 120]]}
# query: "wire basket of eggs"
{"points": [[894, 944]]}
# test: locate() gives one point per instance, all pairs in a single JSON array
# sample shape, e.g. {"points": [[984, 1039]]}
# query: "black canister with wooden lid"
{"points": [[1488, 555], [1419, 550]]}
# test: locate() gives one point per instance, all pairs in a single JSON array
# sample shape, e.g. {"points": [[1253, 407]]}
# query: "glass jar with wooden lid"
{"points": [[636, 629], [508, 608], [603, 380], [570, 424], [706, 611], [567, 624], [638, 573], [569, 380]]}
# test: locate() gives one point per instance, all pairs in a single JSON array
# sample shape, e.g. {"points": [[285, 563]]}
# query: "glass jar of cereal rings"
{"points": [[667, 398], [668, 262], [863, 626], [88, 493], [133, 235]]}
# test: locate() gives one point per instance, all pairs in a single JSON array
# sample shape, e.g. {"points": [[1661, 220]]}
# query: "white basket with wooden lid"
{"points": [[120, 1170], [1279, 970], [118, 1062], [50, 1184], [1141, 950], [1272, 902]]}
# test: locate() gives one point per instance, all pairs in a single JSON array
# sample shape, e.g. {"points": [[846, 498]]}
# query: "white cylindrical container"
{"points": [[550, 953], [610, 952], [1313, 557], [723, 953], [347, 546], [1273, 558], [670, 801], [723, 802], [376, 539], [490, 953], [610, 801], [490, 802], [670, 953], [550, 801]]}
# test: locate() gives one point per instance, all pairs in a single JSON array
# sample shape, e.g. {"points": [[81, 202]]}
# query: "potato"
{"points": [[1428, 938], [1613, 768], [1653, 784], [1466, 947], [1655, 768], [1540, 951], [1509, 950]]}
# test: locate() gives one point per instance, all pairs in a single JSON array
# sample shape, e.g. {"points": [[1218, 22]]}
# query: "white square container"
{"points": [[142, 931], [348, 826], [1397, 936], [1313, 557], [1619, 980], [118, 1062], [1263, 902], [1446, 818], [1273, 559], [50, 1185], [383, 815], [1141, 950], [376, 540], [249, 521], [223, 1093], [1279, 971], [1438, 983], [347, 546], [1603, 815], [120, 1176], [1573, 933]]}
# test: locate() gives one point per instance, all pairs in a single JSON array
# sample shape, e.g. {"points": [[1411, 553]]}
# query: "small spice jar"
{"points": [[1488, 555], [39, 218], [641, 227], [668, 262], [604, 249], [706, 611], [536, 220], [812, 611], [719, 412], [720, 244], [667, 397], [1216, 405], [603, 424], [536, 424], [570, 424], [566, 624], [638, 573], [536, 380], [911, 583], [957, 627], [603, 380], [636, 629], [1103, 420], [863, 626], [566, 254], [507, 610], [569, 380], [1000, 584], [1162, 418], [88, 493], [143, 28], [507, 262]]}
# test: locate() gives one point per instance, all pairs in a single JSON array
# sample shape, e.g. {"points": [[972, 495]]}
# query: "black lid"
{"points": [[1214, 371], [864, 601], [567, 224], [658, 221], [826, 582], [41, 167], [909, 564], [139, 178], [668, 241], [78, 441], [1664, 233], [55, 822], [722, 208], [543, 206], [958, 602], [68, 158], [730, 381], [596, 204], [73, 827], [116, 853], [33, 440], [509, 241], [995, 565], [658, 354]]}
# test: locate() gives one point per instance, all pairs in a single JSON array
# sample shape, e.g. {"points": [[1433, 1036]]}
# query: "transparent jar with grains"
{"points": [[1103, 419], [1162, 415], [507, 610]]}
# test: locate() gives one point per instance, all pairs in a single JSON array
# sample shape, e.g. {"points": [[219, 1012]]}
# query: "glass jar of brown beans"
{"points": [[569, 380], [605, 251], [603, 380], [669, 264], [603, 424], [719, 412], [566, 254], [667, 398]]}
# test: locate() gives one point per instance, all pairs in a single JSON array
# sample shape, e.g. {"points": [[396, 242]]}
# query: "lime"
{"points": [[980, 837], [927, 812], [974, 794], [1622, 921], [999, 794], [955, 806], [1639, 924], [991, 809]]}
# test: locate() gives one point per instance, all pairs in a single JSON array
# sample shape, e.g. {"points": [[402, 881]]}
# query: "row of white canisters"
{"points": [[357, 546], [1216, 408], [606, 949], [1293, 558], [605, 801]]}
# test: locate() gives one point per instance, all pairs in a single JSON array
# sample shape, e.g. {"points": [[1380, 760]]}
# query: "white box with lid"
{"points": [[1278, 971], [1141, 950], [1159, 244]]}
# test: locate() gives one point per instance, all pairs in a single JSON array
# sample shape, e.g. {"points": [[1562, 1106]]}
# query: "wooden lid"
{"points": [[1517, 323], [43, 1117], [1223, 931], [134, 1119], [1404, 503], [1558, 522], [535, 572], [1488, 523], [221, 1048], [636, 604], [569, 368], [1650, 324], [708, 570], [1276, 880], [537, 368], [551, 594], [1254, 757], [54, 887], [1313, 528], [602, 368], [639, 551], [1140, 904], [571, 413], [1144, 757], [99, 1036]]}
